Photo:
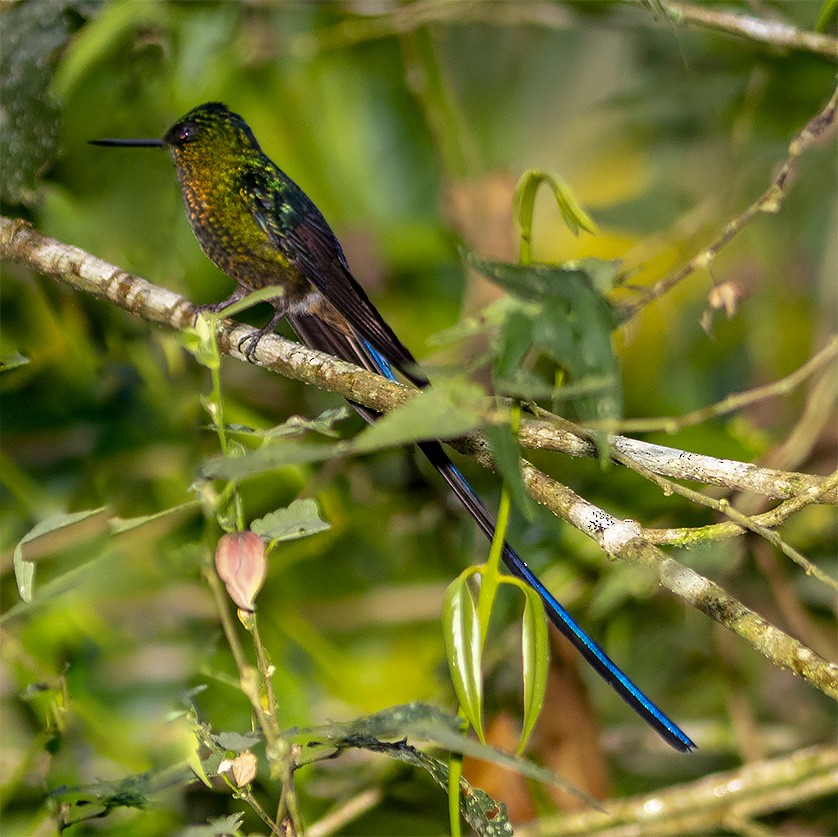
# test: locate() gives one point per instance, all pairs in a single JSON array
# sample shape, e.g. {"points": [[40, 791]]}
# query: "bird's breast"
{"points": [[235, 243]]}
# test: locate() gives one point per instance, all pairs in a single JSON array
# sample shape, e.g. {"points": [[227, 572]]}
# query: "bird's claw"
{"points": [[247, 345], [251, 341]]}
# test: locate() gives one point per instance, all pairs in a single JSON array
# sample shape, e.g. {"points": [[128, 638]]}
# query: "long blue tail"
{"points": [[320, 335], [598, 659]]}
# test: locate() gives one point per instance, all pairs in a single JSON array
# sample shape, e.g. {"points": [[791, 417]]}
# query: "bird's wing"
{"points": [[297, 228]]}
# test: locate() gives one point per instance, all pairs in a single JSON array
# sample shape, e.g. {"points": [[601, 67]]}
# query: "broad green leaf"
{"points": [[449, 410], [119, 525], [463, 644], [422, 722], [272, 456], [514, 340], [299, 519], [535, 650], [570, 324], [25, 569]]}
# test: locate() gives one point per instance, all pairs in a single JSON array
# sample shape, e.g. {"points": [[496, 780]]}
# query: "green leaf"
{"points": [[448, 410], [487, 817], [200, 341], [324, 424], [826, 12], [506, 452], [24, 568], [12, 361], [193, 759], [219, 827], [428, 723], [118, 525], [535, 650], [463, 648], [236, 742], [561, 322], [300, 519]]}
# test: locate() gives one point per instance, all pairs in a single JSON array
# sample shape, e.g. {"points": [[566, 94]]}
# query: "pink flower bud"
{"points": [[242, 566]]}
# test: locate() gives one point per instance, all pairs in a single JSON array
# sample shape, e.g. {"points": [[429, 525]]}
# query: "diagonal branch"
{"points": [[769, 202], [19, 242]]}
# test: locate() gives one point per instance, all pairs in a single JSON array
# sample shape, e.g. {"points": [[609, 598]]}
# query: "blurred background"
{"points": [[409, 125]]}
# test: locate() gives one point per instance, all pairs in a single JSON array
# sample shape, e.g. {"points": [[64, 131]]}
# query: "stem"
{"points": [[455, 772]]}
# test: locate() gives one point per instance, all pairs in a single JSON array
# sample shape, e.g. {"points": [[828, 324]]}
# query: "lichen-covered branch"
{"points": [[20, 243], [625, 539], [709, 804], [544, 434]]}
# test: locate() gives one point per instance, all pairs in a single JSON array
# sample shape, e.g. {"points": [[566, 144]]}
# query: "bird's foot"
{"points": [[218, 307], [247, 345]]}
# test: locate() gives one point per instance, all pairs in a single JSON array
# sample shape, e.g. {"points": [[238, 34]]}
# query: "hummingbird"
{"points": [[261, 229]]}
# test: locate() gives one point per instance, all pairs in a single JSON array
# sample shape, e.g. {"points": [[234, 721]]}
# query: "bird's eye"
{"points": [[185, 132]]}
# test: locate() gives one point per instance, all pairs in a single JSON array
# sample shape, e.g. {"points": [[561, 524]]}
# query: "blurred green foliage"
{"points": [[663, 132]]}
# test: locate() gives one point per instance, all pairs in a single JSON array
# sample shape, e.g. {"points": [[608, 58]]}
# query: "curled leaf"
{"points": [[535, 650], [461, 630]]}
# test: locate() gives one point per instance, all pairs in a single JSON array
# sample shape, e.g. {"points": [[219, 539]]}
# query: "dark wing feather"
{"points": [[297, 228]]}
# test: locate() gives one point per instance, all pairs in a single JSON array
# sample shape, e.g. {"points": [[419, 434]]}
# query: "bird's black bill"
{"points": [[129, 143]]}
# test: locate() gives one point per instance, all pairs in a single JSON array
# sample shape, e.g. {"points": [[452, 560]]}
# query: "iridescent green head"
{"points": [[212, 147], [209, 133]]}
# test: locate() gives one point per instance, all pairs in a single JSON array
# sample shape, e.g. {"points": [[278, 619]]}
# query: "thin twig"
{"points": [[770, 519], [769, 202], [247, 795], [400, 18], [733, 402], [756, 29], [247, 673], [724, 507]]}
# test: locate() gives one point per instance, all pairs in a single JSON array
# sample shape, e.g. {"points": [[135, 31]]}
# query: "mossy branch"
{"points": [[719, 801], [22, 244], [19, 242]]}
